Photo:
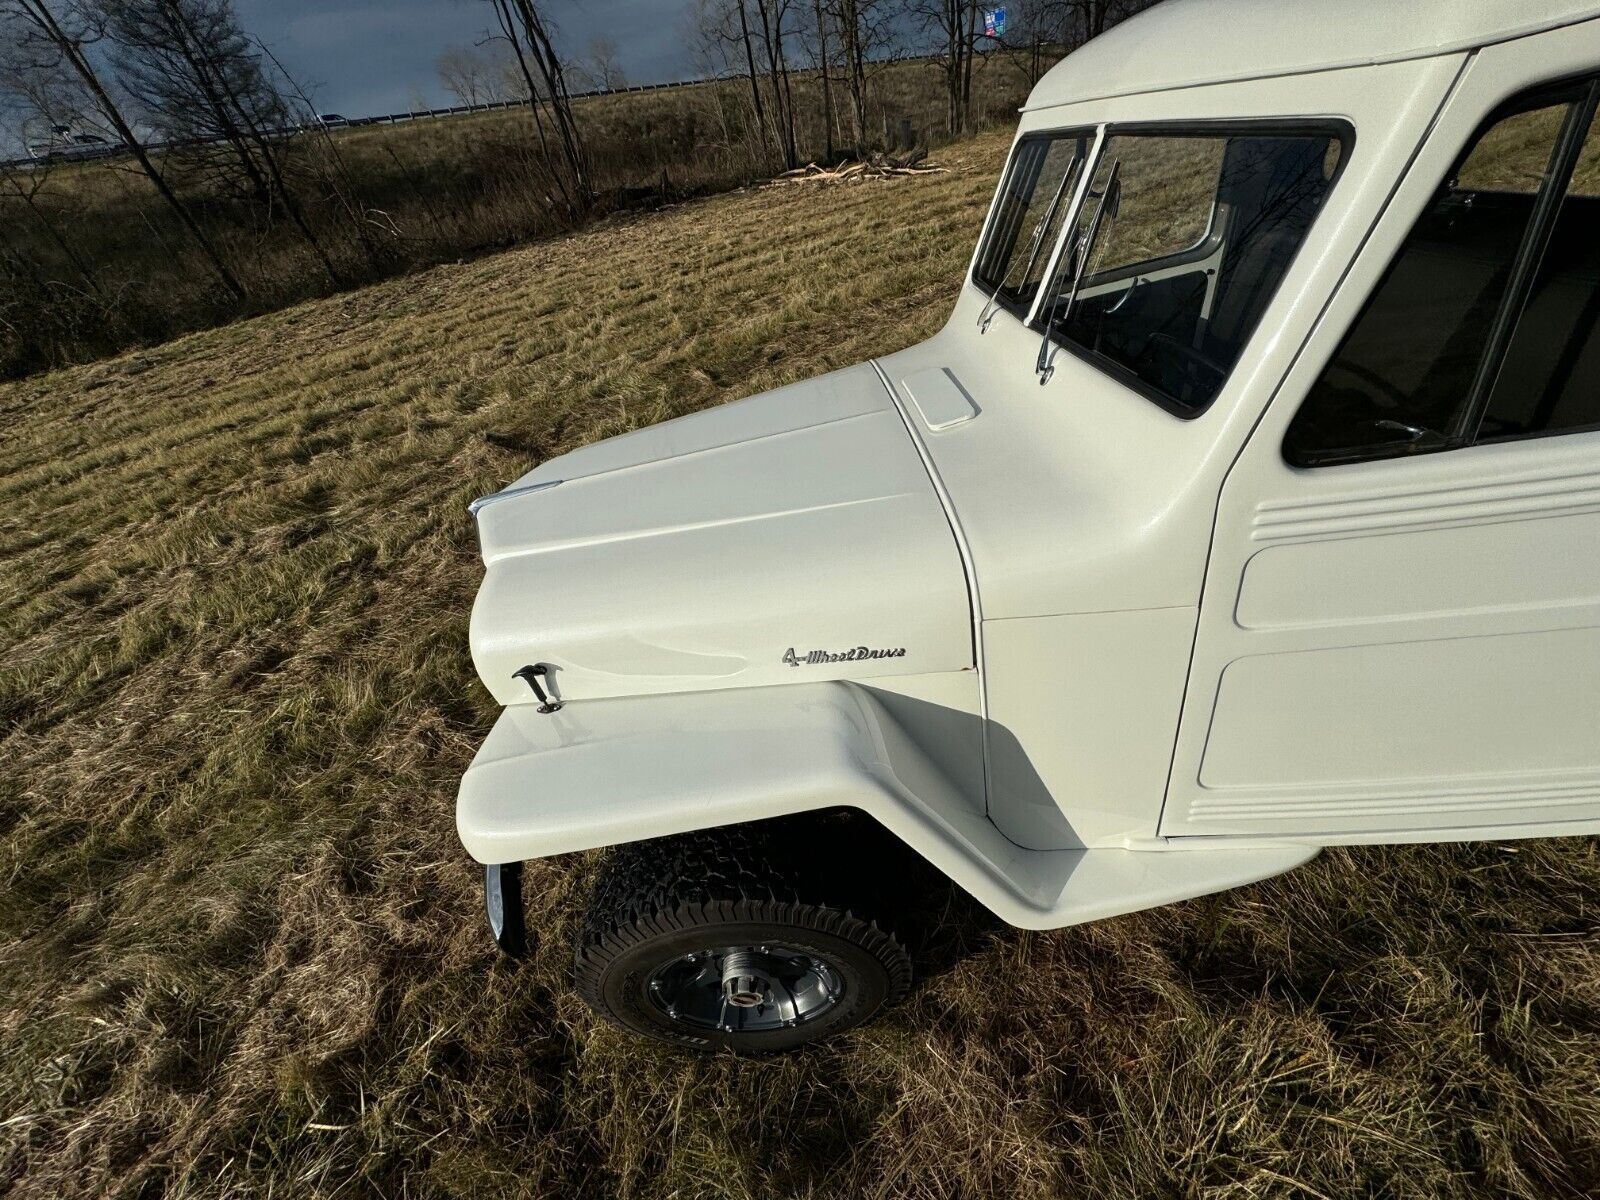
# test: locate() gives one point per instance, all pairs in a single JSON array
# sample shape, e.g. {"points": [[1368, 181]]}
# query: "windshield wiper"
{"points": [[1110, 199], [987, 315]]}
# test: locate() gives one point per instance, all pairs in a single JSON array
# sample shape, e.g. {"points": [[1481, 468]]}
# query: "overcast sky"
{"points": [[366, 57]]}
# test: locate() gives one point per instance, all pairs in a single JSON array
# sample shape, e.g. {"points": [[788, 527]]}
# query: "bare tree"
{"points": [[40, 100], [750, 62], [819, 59], [199, 78], [772, 14], [503, 79], [754, 32], [53, 35], [529, 33], [720, 49], [863, 29], [603, 64], [464, 72], [955, 23], [333, 175], [27, 188], [486, 72]]}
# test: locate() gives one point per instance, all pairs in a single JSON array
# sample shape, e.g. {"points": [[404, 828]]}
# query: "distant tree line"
{"points": [[187, 70], [843, 41], [260, 203]]}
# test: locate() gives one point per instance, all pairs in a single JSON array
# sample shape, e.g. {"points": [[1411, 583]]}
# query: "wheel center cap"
{"points": [[747, 992], [745, 989], [744, 984]]}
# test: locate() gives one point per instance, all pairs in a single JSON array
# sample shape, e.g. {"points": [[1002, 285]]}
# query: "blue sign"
{"points": [[994, 22]]}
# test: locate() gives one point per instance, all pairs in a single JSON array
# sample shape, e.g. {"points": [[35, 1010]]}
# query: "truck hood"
{"points": [[790, 537]]}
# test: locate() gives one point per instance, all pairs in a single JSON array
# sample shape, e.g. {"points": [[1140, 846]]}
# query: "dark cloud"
{"points": [[367, 57]]}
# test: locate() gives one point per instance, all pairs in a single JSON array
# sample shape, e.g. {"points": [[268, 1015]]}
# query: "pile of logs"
{"points": [[879, 166]]}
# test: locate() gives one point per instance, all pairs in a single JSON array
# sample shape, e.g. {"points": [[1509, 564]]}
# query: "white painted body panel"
{"points": [[695, 554], [1145, 658], [1087, 510], [625, 769], [1082, 710], [1191, 43], [1402, 649]]}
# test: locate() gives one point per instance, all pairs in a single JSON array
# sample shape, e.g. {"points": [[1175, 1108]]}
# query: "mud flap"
{"points": [[502, 897]]}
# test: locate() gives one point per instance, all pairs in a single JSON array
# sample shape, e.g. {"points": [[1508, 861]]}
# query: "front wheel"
{"points": [[726, 938]]}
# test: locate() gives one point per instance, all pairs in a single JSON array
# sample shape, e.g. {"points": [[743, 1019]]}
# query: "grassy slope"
{"points": [[241, 951]]}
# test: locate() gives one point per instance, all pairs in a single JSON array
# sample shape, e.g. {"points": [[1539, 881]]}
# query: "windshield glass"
{"points": [[1034, 201], [1184, 241]]}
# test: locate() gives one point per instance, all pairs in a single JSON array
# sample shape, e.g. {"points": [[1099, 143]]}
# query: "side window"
{"points": [[1034, 201], [1549, 381], [1480, 327], [1179, 247]]}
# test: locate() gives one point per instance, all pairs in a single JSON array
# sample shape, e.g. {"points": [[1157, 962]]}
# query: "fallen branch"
{"points": [[879, 166]]}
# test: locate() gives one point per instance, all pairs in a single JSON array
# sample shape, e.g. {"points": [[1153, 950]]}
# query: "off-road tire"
{"points": [[773, 882]]}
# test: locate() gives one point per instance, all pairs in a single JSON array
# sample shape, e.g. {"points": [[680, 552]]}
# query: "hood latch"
{"points": [[532, 674]]}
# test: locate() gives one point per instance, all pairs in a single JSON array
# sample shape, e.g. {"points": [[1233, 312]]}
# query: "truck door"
{"points": [[1400, 629]]}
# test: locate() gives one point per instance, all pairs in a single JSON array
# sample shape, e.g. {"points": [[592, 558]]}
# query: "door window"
{"points": [[1484, 325]]}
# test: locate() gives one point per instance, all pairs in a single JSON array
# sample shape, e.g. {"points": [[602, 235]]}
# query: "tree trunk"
{"points": [[827, 82], [560, 99], [777, 72], [791, 142], [571, 175], [1096, 12], [969, 52], [952, 66], [44, 20], [858, 78], [503, 13], [750, 65], [249, 144]]}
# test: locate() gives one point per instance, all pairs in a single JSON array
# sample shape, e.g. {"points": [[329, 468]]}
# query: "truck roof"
{"points": [[1186, 43]]}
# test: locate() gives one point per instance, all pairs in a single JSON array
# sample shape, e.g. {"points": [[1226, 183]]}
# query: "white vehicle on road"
{"points": [[1249, 503]]}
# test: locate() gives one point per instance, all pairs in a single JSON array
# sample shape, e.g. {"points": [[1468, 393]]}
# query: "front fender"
{"points": [[600, 772]]}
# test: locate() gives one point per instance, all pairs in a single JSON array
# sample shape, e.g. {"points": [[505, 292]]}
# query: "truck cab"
{"points": [[1248, 503]]}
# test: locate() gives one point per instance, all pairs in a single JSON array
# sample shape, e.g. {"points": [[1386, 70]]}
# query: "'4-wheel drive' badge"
{"points": [[812, 657]]}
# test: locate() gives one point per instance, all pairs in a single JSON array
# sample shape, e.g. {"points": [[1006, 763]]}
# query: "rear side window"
{"points": [[1181, 243], [1484, 325]]}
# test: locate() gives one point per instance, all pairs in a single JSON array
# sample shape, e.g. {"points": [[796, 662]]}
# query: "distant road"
{"points": [[90, 154]]}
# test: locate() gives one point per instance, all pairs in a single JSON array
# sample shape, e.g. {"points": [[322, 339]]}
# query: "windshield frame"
{"points": [[993, 290], [1339, 129]]}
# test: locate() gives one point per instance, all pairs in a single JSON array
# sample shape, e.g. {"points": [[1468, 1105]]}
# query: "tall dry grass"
{"points": [[242, 953]]}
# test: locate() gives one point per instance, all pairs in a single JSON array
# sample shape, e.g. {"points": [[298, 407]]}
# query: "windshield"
{"points": [[1034, 201], [1168, 275]]}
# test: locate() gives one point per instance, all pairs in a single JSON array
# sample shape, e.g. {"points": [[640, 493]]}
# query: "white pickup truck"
{"points": [[1248, 503]]}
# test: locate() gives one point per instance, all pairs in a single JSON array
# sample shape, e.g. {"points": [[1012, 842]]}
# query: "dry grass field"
{"points": [[241, 952]]}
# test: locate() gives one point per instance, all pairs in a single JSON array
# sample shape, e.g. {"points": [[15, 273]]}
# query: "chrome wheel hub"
{"points": [[745, 989]]}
